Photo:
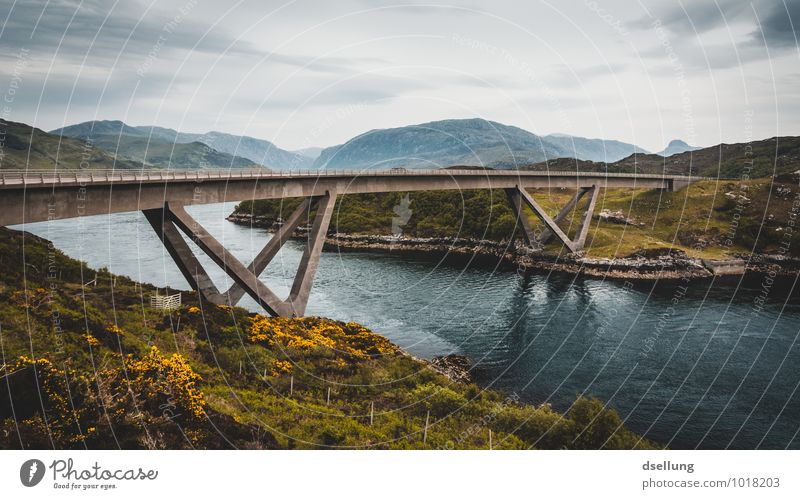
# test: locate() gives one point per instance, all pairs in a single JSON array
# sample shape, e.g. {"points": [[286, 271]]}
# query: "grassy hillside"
{"points": [[164, 154], [710, 219], [95, 367], [476, 142], [247, 150], [778, 155], [28, 148]]}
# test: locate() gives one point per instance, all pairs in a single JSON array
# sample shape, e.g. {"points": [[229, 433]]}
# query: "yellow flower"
{"points": [[281, 367], [114, 330]]}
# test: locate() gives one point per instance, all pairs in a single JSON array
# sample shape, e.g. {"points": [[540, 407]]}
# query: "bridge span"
{"points": [[35, 196]]}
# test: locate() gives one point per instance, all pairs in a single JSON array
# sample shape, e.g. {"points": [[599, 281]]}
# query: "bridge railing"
{"points": [[32, 177]]}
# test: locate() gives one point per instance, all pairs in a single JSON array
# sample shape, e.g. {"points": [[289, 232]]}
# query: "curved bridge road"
{"points": [[34, 196]]}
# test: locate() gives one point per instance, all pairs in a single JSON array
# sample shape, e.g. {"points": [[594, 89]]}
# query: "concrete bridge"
{"points": [[35, 196]]}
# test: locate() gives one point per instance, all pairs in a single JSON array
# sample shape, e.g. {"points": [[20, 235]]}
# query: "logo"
{"points": [[31, 472]]}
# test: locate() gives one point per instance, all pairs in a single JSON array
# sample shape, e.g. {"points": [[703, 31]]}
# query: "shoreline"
{"points": [[649, 266]]}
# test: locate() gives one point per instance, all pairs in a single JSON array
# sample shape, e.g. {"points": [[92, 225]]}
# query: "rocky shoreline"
{"points": [[642, 266]]}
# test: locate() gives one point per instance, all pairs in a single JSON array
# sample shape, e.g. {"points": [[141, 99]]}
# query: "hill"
{"points": [[255, 151], [160, 153], [205, 376], [310, 152], [758, 159], [709, 219], [24, 147], [157, 150], [676, 147], [473, 142]]}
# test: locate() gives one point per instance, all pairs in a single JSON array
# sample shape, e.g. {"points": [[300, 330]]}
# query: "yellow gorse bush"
{"points": [[114, 330], [351, 339], [170, 375], [281, 367]]}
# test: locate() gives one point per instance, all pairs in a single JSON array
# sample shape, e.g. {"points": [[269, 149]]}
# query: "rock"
{"points": [[616, 217], [738, 198], [455, 367]]}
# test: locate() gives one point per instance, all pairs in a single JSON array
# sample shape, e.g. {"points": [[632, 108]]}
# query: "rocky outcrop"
{"points": [[644, 265], [455, 367], [616, 217]]}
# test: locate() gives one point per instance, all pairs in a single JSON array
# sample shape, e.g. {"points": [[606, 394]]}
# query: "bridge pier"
{"points": [[167, 220], [517, 196]]}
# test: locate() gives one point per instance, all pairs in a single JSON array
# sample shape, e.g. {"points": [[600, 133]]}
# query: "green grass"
{"points": [[95, 367], [699, 219]]}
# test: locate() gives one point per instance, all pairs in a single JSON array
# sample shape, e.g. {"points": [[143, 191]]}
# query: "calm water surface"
{"points": [[690, 368]]}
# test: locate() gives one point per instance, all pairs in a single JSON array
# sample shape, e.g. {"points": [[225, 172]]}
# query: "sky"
{"points": [[315, 73]]}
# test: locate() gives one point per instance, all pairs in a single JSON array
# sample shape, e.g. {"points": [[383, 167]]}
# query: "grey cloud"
{"points": [[133, 35], [779, 27], [69, 28], [689, 16], [575, 75]]}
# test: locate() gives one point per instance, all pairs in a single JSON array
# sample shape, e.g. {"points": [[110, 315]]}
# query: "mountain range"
{"points": [[165, 147], [468, 142], [762, 158], [27, 148], [473, 142]]}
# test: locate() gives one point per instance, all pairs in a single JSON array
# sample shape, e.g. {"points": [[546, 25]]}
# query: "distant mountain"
{"points": [[159, 151], [469, 142], [29, 148], [677, 147], [256, 151], [310, 152], [775, 156], [594, 149]]}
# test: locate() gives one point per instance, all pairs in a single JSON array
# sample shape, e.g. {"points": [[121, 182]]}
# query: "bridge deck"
{"points": [[33, 196], [16, 178]]}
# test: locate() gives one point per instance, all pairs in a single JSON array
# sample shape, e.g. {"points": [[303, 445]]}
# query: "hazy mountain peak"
{"points": [[258, 151], [468, 142], [677, 146]]}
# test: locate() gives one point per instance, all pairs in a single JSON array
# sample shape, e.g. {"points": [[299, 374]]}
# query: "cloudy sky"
{"points": [[315, 73]]}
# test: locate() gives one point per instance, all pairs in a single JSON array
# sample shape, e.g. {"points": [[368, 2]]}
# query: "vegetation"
{"points": [[758, 159], [709, 219], [162, 153], [94, 367], [25, 147]]}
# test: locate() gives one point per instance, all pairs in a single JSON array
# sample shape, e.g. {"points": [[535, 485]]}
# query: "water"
{"points": [[694, 368]]}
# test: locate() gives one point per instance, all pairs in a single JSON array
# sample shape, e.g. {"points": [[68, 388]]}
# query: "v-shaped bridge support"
{"points": [[167, 220], [517, 196]]}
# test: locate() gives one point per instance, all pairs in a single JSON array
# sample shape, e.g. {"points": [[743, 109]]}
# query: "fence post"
{"points": [[425, 433]]}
